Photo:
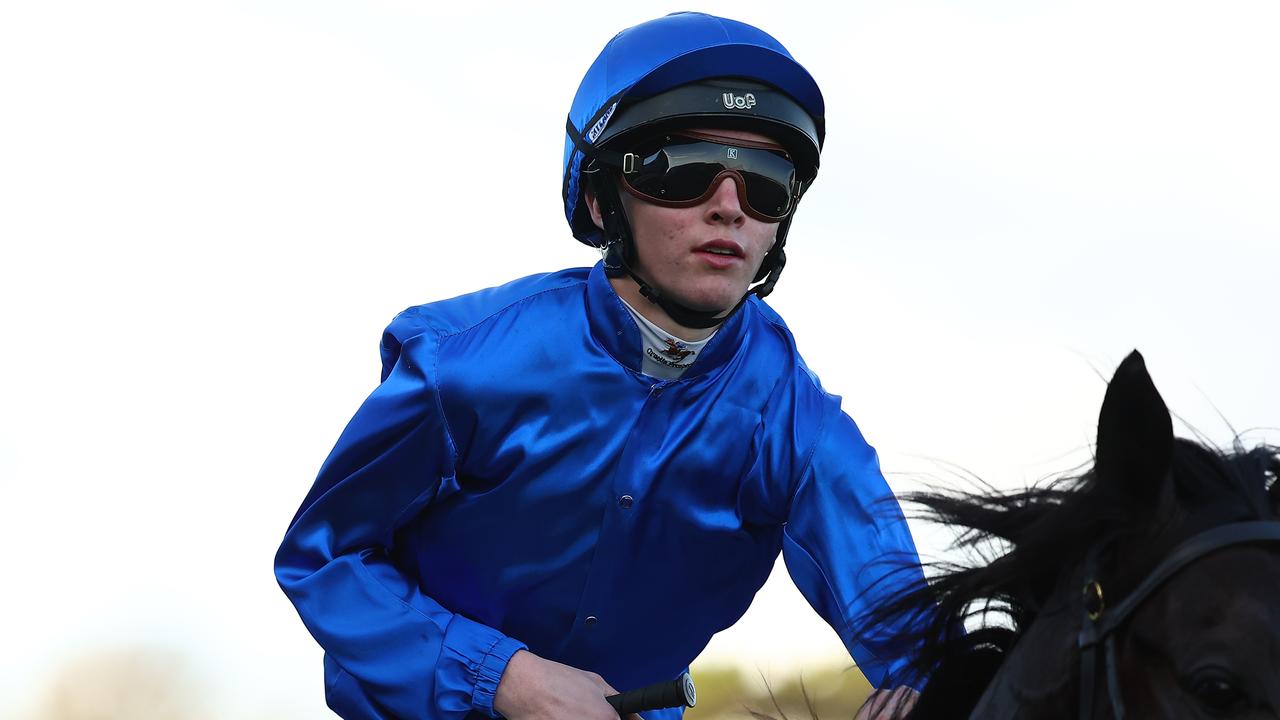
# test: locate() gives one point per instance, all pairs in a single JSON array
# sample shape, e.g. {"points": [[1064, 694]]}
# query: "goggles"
{"points": [[684, 169]]}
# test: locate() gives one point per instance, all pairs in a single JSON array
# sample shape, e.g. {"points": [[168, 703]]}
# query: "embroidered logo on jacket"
{"points": [[675, 350], [672, 355]]}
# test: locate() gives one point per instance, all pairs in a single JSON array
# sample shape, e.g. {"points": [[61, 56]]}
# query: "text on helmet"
{"points": [[740, 102]]}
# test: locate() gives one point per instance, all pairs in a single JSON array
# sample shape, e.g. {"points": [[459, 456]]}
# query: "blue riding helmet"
{"points": [[684, 70]]}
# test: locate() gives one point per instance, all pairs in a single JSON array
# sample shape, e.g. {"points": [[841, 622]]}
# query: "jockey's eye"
{"points": [[1218, 692]]}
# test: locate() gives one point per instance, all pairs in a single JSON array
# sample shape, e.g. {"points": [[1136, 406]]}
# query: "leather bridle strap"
{"points": [[1099, 624]]}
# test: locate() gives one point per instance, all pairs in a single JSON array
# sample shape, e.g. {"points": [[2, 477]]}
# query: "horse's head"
{"points": [[1146, 587], [1194, 626]]}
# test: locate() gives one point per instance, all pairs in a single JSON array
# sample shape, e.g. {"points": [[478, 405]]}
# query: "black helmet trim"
{"points": [[723, 103]]}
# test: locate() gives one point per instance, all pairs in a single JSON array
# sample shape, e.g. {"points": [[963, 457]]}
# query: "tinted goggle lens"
{"points": [[681, 171]]}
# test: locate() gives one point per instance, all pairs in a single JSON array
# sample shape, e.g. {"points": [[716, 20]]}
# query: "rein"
{"points": [[1099, 624]]}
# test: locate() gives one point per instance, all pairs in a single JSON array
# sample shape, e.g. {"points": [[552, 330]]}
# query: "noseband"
{"points": [[1099, 624]]}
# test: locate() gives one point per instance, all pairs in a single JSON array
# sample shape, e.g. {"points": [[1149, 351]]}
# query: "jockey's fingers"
{"points": [[870, 709], [901, 702], [609, 690]]}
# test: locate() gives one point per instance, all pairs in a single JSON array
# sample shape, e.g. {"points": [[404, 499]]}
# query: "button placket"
{"points": [[616, 527]]}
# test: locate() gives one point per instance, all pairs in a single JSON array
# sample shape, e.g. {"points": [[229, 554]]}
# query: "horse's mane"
{"points": [[1046, 531]]}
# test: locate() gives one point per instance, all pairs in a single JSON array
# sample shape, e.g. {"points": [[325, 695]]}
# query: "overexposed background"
{"points": [[209, 210]]}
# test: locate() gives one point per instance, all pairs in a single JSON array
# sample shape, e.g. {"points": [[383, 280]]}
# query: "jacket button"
{"points": [[591, 620], [625, 502]]}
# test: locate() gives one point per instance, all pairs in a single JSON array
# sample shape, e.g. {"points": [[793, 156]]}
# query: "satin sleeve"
{"points": [[848, 549], [390, 650]]}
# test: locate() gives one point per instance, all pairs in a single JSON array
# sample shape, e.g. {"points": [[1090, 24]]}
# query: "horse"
{"points": [[1147, 586]]}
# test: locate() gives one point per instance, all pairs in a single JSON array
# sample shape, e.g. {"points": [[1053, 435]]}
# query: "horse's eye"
{"points": [[1218, 693]]}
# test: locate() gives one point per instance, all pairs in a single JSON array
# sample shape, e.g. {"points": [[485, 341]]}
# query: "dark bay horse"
{"points": [[1146, 587]]}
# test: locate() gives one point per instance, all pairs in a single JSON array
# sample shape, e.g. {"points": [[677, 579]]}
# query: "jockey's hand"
{"points": [[888, 704], [534, 688]]}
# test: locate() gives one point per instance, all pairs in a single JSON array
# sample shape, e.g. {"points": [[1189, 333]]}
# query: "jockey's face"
{"points": [[704, 257]]}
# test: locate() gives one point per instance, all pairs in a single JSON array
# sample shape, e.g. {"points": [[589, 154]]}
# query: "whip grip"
{"points": [[672, 693]]}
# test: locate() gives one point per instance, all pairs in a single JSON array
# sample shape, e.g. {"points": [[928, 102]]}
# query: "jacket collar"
{"points": [[615, 330]]}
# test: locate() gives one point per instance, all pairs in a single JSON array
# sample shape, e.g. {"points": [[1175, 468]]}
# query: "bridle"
{"points": [[1099, 623]]}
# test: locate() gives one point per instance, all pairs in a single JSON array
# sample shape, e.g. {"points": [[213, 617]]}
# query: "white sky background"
{"points": [[208, 212]]}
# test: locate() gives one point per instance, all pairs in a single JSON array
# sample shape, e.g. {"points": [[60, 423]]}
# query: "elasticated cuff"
{"points": [[488, 651], [490, 673]]}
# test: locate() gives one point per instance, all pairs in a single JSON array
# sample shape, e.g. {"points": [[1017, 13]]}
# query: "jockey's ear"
{"points": [[593, 207], [1135, 433]]}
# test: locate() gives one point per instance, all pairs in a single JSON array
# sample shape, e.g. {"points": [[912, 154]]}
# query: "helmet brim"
{"points": [[722, 103]]}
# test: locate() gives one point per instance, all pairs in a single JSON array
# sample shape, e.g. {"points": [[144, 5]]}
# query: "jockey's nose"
{"points": [[724, 205]]}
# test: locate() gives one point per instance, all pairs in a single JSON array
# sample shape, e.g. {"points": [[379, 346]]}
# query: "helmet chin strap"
{"points": [[618, 248]]}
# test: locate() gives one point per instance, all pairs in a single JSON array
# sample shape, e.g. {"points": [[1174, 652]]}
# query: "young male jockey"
{"points": [[569, 483]]}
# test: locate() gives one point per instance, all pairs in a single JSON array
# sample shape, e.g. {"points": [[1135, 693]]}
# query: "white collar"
{"points": [[666, 356]]}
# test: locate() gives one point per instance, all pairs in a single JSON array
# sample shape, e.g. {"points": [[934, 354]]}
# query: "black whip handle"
{"points": [[672, 693]]}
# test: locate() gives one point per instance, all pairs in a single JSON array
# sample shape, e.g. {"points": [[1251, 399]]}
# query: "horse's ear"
{"points": [[1135, 432]]}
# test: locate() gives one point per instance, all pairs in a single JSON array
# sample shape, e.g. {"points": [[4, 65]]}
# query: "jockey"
{"points": [[569, 483]]}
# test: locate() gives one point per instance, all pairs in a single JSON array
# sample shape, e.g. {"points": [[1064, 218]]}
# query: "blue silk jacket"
{"points": [[515, 481]]}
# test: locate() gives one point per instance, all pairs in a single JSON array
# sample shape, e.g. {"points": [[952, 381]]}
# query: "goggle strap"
{"points": [[612, 158]]}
